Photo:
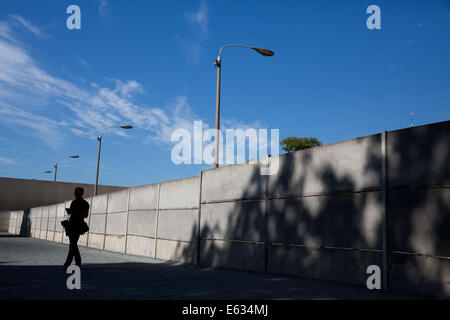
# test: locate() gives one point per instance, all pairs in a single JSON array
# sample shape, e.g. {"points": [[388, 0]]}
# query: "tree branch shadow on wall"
{"points": [[336, 235]]}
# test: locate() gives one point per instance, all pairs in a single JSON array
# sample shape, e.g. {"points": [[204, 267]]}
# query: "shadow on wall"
{"points": [[323, 217], [25, 226], [419, 207]]}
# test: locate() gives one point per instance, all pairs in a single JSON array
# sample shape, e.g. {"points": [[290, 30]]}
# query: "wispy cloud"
{"points": [[24, 84], [83, 63], [409, 42], [420, 24], [197, 21], [37, 31], [36, 104], [7, 161], [105, 11]]}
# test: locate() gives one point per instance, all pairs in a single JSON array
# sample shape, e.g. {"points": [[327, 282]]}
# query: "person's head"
{"points": [[79, 191]]}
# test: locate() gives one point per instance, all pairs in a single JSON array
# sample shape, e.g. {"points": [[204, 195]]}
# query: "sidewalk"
{"points": [[32, 269]]}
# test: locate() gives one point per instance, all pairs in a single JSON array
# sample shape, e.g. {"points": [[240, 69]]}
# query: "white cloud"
{"points": [[7, 161], [37, 31], [38, 105], [198, 22], [31, 125], [104, 11], [25, 84], [83, 63]]}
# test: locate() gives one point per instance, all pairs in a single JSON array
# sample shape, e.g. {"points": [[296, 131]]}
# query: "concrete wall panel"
{"points": [[233, 255], [175, 251], [58, 236], [50, 235], [344, 220], [116, 223], [115, 243], [99, 204], [118, 201], [52, 210], [141, 246], [144, 197], [243, 181], [419, 156], [51, 224], [12, 223], [335, 265], [351, 165], [43, 234], [178, 225], [180, 194], [37, 222], [420, 221], [96, 240], [421, 274], [97, 223], [58, 226], [142, 223], [233, 221]]}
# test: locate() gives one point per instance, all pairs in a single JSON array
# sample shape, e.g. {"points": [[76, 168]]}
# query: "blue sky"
{"points": [[149, 64]]}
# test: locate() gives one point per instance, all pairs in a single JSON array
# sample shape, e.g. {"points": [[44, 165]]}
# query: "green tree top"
{"points": [[290, 144]]}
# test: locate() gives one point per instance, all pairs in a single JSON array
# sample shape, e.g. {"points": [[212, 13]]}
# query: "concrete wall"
{"points": [[320, 216], [21, 194]]}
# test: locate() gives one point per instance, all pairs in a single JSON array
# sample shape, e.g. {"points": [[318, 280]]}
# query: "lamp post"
{"points": [[56, 165], [218, 63], [99, 138]]}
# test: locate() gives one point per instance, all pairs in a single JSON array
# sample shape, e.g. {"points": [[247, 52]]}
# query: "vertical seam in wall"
{"points": [[383, 182], [266, 210], [199, 219], [106, 220], [48, 218], [89, 221], [128, 213], [54, 225], [40, 223], [157, 220]]}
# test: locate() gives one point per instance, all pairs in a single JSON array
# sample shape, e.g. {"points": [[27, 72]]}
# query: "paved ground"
{"points": [[32, 269]]}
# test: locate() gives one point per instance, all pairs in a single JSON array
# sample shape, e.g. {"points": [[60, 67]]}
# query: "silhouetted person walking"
{"points": [[79, 209]]}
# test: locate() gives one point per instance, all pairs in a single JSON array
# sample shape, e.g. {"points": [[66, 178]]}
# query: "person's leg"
{"points": [[76, 252], [71, 250]]}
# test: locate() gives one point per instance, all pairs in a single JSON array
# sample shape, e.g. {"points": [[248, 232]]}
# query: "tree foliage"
{"points": [[290, 144]]}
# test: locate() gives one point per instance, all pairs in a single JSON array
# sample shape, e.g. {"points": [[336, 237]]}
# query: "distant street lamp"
{"points": [[218, 63], [99, 138], [56, 165]]}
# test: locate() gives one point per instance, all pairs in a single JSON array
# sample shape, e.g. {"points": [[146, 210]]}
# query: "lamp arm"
{"points": [[232, 45]]}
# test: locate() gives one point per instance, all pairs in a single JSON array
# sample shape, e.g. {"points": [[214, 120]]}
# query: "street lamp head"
{"points": [[48, 171], [264, 52], [126, 127], [74, 157]]}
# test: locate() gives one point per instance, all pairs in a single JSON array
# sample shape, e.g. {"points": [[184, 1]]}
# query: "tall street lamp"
{"points": [[99, 138], [56, 165], [218, 63]]}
